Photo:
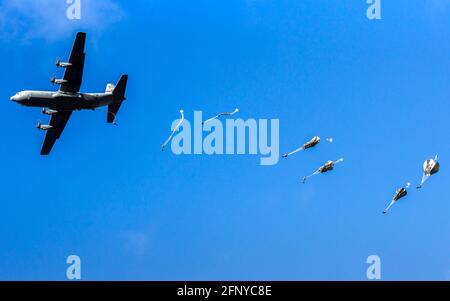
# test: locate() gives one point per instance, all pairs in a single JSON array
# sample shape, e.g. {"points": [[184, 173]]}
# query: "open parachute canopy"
{"points": [[328, 166], [399, 194], [430, 167], [310, 144]]}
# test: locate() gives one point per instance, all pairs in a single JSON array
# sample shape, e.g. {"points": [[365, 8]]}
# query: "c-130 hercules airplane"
{"points": [[60, 104]]}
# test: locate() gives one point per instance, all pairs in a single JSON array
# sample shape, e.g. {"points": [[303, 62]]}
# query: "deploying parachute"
{"points": [[329, 165], [430, 167], [310, 144], [399, 194], [174, 130], [221, 114]]}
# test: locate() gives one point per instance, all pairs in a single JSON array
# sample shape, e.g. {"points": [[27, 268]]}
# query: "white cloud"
{"points": [[26, 20]]}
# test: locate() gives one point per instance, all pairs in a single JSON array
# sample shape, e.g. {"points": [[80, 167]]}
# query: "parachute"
{"points": [[221, 114], [430, 167], [174, 130], [399, 194], [310, 144], [328, 166]]}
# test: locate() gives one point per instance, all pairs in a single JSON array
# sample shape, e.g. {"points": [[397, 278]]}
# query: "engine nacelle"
{"points": [[57, 81], [43, 127], [61, 64], [48, 112]]}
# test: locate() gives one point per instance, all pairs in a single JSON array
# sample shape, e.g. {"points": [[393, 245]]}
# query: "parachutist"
{"points": [[328, 166], [430, 167], [399, 194], [310, 144]]}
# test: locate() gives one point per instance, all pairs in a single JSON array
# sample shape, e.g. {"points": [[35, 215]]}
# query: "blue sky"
{"points": [[131, 212]]}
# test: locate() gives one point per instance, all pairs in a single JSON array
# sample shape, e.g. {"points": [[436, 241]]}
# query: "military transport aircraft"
{"points": [[60, 104]]}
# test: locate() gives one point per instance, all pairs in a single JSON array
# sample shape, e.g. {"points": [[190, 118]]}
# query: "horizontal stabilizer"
{"points": [[119, 97], [112, 112]]}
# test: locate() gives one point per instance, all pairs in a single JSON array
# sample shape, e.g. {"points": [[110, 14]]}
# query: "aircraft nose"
{"points": [[13, 98], [17, 98]]}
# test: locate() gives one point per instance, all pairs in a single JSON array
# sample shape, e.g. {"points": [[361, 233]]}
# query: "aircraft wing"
{"points": [[74, 73], [58, 123]]}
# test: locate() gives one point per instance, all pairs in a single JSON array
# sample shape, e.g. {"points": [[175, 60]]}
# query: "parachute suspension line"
{"points": [[293, 152], [312, 175], [425, 177], [220, 115], [389, 207], [174, 130]]}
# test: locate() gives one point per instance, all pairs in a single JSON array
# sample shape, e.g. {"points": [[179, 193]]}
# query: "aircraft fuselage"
{"points": [[62, 101]]}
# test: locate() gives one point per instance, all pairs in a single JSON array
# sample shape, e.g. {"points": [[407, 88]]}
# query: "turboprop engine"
{"points": [[48, 112], [57, 81], [43, 127], [62, 64]]}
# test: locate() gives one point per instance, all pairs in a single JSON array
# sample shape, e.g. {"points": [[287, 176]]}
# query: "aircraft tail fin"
{"points": [[120, 88]]}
